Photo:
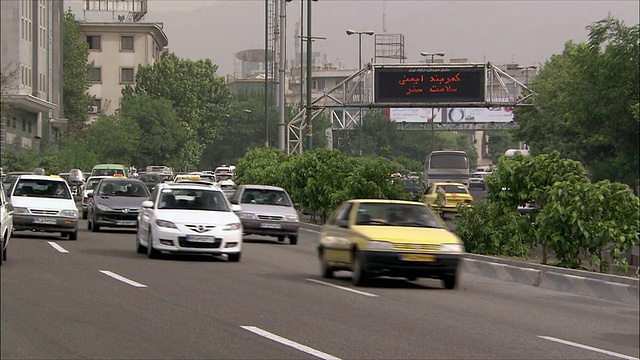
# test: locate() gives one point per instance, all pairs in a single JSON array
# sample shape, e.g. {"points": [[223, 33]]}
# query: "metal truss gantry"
{"points": [[354, 95]]}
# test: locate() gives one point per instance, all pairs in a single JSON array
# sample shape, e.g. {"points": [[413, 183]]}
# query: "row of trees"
{"points": [[577, 219]]}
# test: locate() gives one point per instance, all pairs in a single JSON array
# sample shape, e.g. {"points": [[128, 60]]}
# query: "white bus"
{"points": [[447, 166]]}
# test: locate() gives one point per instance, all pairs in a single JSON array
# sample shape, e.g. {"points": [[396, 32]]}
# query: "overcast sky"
{"points": [[524, 32]]}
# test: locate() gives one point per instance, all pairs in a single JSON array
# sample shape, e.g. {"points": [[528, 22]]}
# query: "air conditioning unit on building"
{"points": [[93, 109]]}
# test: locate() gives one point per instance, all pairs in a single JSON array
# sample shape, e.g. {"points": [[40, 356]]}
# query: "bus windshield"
{"points": [[449, 161]]}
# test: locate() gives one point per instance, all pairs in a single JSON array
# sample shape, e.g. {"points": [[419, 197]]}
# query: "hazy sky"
{"points": [[525, 32]]}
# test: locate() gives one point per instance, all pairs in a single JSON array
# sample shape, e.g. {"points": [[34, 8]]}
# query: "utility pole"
{"points": [[282, 62], [309, 54]]}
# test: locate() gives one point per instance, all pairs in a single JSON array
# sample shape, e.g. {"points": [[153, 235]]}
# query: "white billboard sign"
{"points": [[479, 115]]}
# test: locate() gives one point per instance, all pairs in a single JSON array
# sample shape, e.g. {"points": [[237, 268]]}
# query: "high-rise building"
{"points": [[117, 50], [31, 65]]}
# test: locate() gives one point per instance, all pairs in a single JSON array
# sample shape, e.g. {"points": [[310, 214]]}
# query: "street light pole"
{"points": [[431, 54], [360, 33], [266, 73], [309, 51]]}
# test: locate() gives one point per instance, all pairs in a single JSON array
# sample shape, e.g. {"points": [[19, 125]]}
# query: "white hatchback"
{"points": [[188, 218]]}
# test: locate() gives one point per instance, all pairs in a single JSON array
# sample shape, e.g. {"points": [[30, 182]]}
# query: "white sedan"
{"points": [[188, 219]]}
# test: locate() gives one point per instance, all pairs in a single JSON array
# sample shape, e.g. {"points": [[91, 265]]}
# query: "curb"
{"points": [[602, 286]]}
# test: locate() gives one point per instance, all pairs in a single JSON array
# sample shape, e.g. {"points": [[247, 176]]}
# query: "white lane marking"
{"points": [[343, 288], [309, 230], [287, 342], [57, 247], [590, 348], [123, 279]]}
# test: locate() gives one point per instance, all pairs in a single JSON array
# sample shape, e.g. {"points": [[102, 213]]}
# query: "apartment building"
{"points": [[31, 61], [117, 50]]}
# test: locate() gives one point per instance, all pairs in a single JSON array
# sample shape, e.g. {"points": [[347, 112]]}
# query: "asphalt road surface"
{"points": [[96, 298]]}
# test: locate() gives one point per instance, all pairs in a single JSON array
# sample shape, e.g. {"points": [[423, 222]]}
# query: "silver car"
{"points": [[266, 210]]}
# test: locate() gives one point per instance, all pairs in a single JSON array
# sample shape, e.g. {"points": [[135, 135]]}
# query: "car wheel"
{"points": [[233, 257], [94, 227], [140, 249], [359, 275], [280, 238], [151, 252], [73, 235], [450, 281], [84, 214], [325, 270], [293, 239]]}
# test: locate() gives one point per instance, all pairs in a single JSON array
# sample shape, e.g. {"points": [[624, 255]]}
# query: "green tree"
{"points": [[161, 134], [75, 80], [114, 139], [586, 100], [200, 98], [499, 142]]}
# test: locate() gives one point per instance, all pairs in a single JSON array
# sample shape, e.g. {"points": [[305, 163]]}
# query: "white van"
{"points": [[44, 203]]}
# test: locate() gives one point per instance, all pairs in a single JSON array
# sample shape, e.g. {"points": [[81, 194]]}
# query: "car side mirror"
{"points": [[342, 223], [147, 204], [236, 207]]}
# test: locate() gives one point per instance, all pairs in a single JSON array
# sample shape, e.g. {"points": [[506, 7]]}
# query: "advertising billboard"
{"points": [[456, 115], [430, 84]]}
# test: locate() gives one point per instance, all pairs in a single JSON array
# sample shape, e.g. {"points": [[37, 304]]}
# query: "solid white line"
{"points": [[287, 342], [585, 347], [343, 288], [57, 247], [123, 279]]}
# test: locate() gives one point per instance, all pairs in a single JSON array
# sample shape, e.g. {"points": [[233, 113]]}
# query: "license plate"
{"points": [[270, 226], [44, 221], [418, 257], [201, 239], [126, 222]]}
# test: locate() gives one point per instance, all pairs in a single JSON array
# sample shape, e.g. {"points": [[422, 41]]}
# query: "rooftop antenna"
{"points": [[384, 15]]}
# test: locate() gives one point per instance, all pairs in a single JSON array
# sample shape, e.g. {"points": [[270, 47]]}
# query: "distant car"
{"points": [[6, 223], [10, 178], [389, 238], [87, 190], [44, 203], [268, 211], [189, 219], [151, 179], [414, 187], [445, 196], [116, 202], [476, 179]]}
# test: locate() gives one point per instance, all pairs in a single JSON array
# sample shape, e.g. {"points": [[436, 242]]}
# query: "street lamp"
{"points": [[309, 54], [432, 55], [360, 33]]}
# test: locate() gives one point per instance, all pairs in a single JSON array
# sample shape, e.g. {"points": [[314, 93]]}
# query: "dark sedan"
{"points": [[116, 202]]}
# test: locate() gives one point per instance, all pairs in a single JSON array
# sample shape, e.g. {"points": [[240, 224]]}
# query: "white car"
{"points": [[91, 183], [188, 218], [44, 203], [6, 223]]}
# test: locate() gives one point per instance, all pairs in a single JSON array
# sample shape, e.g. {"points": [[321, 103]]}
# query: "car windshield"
{"points": [[193, 199], [221, 177], [265, 197], [107, 172], [92, 183], [454, 189], [151, 178], [123, 188], [389, 214], [42, 189]]}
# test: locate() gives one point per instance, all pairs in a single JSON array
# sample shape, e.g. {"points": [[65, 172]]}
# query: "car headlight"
{"points": [[379, 245], [243, 215], [69, 213], [20, 210], [291, 217], [102, 207], [232, 226], [454, 248], [166, 224]]}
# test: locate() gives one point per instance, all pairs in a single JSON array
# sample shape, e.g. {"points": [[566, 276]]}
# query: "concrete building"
{"points": [[117, 50], [31, 61]]}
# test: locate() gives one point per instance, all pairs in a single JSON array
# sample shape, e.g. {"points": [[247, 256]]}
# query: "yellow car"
{"points": [[389, 238], [445, 196]]}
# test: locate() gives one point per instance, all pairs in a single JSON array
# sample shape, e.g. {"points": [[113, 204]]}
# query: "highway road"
{"points": [[96, 298]]}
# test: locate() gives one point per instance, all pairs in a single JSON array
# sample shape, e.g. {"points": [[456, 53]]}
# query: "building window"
{"points": [[126, 75], [15, 121], [95, 74], [126, 43], [94, 42], [24, 125], [8, 122], [29, 126]]}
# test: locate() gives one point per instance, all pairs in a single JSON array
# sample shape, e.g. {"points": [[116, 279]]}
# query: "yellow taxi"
{"points": [[445, 196], [191, 177], [389, 238]]}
